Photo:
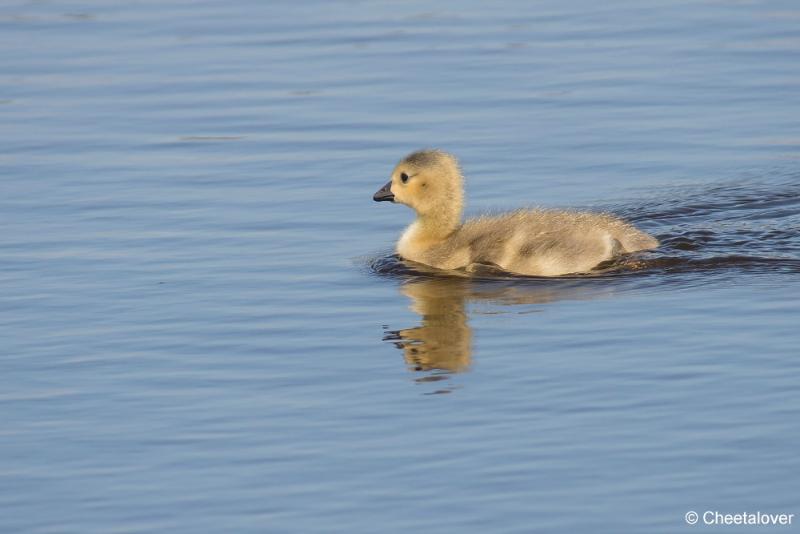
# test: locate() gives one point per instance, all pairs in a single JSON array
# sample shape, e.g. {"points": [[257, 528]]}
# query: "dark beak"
{"points": [[384, 193]]}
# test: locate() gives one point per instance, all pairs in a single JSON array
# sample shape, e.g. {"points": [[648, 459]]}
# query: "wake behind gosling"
{"points": [[531, 242]]}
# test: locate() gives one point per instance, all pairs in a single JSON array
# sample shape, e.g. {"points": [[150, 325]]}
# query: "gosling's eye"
{"points": [[403, 177]]}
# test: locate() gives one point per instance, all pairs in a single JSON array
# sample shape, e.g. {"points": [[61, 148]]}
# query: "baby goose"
{"points": [[528, 242]]}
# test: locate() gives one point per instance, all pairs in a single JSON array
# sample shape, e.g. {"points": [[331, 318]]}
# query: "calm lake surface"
{"points": [[204, 328]]}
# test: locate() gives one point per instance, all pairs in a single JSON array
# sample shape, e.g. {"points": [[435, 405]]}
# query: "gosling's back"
{"points": [[535, 242]]}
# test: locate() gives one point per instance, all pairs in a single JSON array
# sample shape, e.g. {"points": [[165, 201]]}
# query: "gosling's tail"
{"points": [[633, 240]]}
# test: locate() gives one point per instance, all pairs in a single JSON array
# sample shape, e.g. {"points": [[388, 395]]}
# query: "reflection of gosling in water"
{"points": [[444, 339], [532, 242]]}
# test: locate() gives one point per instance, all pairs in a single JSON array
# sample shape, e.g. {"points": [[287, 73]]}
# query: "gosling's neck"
{"points": [[427, 231]]}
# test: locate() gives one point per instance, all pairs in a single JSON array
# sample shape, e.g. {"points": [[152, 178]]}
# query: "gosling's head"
{"points": [[428, 181]]}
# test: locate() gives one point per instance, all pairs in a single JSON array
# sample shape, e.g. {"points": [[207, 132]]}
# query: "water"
{"points": [[204, 327]]}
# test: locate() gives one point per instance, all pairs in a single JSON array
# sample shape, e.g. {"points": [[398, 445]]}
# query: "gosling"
{"points": [[526, 242]]}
